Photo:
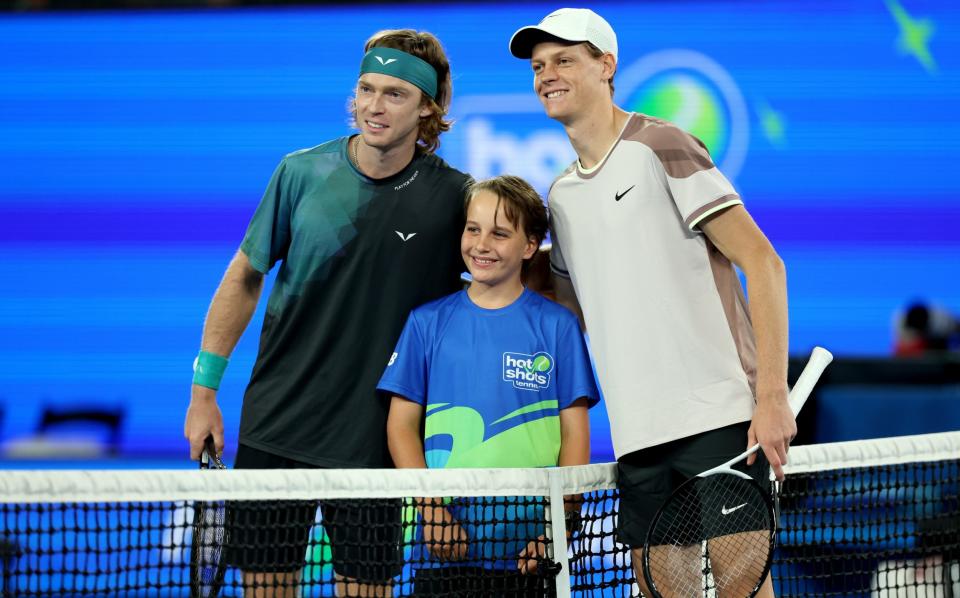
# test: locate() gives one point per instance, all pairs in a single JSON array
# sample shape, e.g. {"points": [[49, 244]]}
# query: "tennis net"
{"points": [[869, 518]]}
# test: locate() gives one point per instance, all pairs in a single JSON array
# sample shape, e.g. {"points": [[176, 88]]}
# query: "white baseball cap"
{"points": [[567, 24]]}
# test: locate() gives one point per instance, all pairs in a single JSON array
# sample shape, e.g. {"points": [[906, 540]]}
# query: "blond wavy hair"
{"points": [[427, 47]]}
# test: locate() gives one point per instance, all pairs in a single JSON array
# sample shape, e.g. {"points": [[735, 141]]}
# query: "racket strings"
{"points": [[714, 533], [209, 539], [209, 535]]}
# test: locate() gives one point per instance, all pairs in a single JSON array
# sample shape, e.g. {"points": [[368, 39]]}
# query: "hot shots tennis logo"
{"points": [[528, 372]]}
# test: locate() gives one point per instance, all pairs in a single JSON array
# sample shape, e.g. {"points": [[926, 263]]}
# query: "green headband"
{"points": [[399, 64]]}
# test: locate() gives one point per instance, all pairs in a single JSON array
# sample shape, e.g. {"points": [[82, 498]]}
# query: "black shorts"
{"points": [[477, 582], [647, 477], [272, 536]]}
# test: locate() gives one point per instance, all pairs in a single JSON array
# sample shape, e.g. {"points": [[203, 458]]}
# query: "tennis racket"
{"points": [[716, 532], [209, 534]]}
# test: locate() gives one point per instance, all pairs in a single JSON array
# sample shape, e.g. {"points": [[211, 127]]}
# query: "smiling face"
{"points": [[569, 80], [388, 111], [494, 248]]}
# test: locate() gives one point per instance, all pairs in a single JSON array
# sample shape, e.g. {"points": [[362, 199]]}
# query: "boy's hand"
{"points": [[444, 537], [535, 551]]}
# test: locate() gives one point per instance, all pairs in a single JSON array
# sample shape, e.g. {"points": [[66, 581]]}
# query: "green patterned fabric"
{"points": [[356, 255]]}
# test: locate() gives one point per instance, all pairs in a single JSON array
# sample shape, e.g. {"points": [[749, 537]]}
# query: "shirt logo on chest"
{"points": [[619, 196], [404, 237], [528, 372], [407, 182]]}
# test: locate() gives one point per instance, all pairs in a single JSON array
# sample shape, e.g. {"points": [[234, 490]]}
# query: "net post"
{"points": [[557, 532]]}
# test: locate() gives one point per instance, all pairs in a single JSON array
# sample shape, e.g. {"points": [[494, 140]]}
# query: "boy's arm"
{"points": [[403, 433], [574, 450], [444, 537], [575, 434]]}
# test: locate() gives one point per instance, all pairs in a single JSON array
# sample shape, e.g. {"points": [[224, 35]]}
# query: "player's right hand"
{"points": [[444, 537], [203, 419]]}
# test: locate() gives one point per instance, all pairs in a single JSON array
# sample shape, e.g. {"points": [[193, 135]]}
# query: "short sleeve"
{"points": [[268, 235], [697, 186], [575, 377], [406, 373]]}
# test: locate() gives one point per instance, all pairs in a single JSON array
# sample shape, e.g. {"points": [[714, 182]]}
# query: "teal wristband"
{"points": [[208, 369]]}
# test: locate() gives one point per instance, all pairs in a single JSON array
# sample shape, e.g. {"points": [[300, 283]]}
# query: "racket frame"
{"points": [[820, 358], [209, 460]]}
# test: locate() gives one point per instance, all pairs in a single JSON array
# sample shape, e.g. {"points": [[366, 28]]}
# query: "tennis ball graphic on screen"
{"points": [[688, 102]]}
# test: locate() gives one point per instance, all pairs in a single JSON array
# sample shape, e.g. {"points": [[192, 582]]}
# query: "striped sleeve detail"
{"points": [[681, 154], [683, 162], [717, 205]]}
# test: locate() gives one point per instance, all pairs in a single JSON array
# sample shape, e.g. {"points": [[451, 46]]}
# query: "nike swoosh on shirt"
{"points": [[618, 196]]}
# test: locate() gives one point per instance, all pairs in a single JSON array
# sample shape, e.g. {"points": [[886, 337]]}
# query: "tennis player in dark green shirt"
{"points": [[364, 228]]}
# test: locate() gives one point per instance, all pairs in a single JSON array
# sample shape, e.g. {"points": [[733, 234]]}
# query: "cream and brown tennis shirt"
{"points": [[665, 312]]}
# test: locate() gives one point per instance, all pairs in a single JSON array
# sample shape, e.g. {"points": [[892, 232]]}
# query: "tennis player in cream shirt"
{"points": [[646, 231]]}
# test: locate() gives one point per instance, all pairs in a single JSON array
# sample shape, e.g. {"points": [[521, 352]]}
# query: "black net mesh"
{"points": [[599, 565], [877, 531], [885, 531], [471, 547]]}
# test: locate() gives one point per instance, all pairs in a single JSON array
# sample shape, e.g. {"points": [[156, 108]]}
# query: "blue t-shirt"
{"points": [[492, 382]]}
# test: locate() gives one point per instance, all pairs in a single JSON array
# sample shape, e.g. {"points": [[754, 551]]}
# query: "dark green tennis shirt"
{"points": [[356, 255]]}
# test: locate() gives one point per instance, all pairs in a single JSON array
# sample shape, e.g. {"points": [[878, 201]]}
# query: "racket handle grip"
{"points": [[209, 452], [820, 358]]}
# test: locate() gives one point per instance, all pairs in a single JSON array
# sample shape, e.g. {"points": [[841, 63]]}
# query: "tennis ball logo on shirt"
{"points": [[542, 363], [526, 371]]}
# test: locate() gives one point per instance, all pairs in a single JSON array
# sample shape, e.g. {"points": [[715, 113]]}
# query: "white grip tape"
{"points": [[819, 360]]}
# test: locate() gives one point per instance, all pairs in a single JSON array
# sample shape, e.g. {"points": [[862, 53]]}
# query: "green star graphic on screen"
{"points": [[915, 35]]}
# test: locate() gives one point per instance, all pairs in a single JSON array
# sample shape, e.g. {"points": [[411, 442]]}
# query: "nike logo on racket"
{"points": [[618, 196], [726, 511]]}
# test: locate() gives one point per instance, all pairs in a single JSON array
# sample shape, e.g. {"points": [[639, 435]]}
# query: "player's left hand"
{"points": [[774, 427]]}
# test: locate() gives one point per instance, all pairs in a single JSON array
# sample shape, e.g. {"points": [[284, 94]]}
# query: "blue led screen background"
{"points": [[134, 147]]}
